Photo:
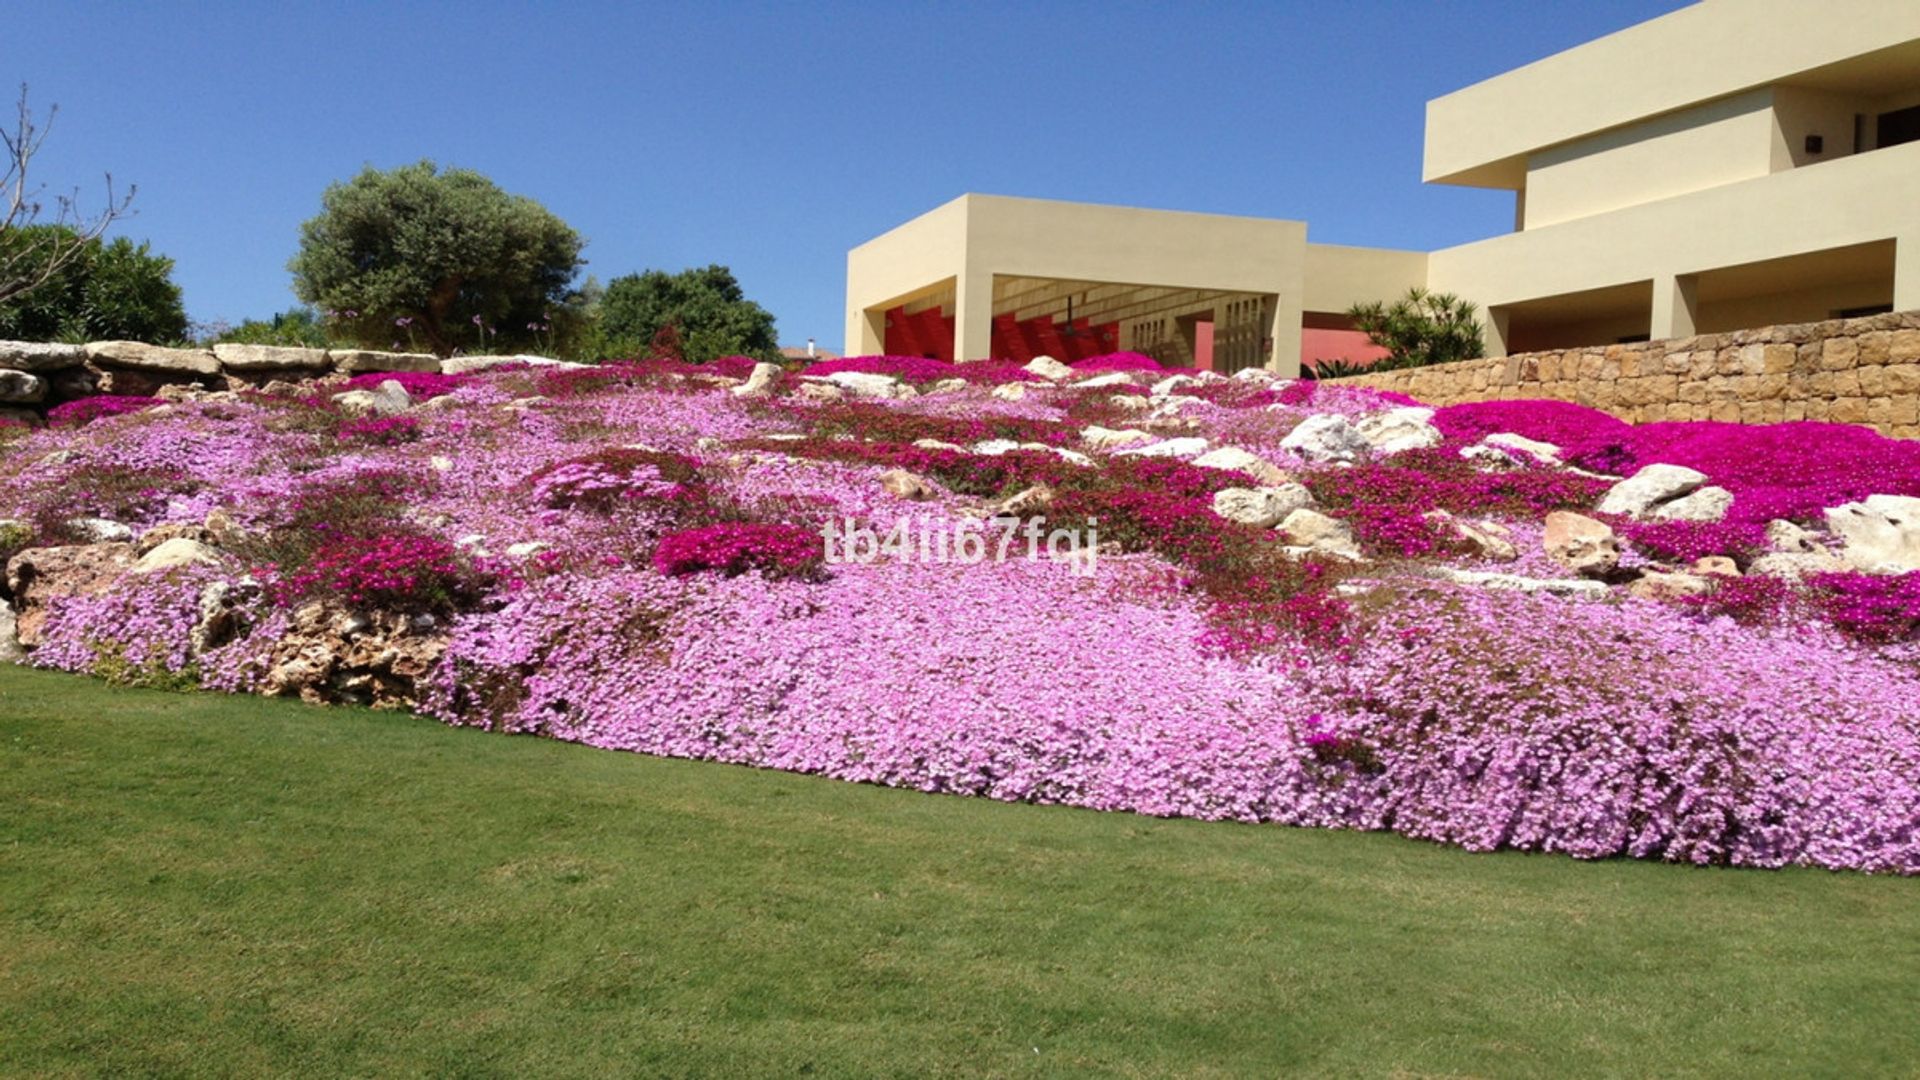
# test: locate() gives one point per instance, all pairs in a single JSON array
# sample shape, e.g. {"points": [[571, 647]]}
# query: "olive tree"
{"points": [[443, 257]]}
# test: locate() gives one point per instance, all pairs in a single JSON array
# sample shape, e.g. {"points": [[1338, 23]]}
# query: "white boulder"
{"points": [[1183, 447], [1318, 532], [1649, 487], [1881, 533], [1705, 504], [1326, 437], [179, 551], [1399, 430], [759, 381], [1581, 544], [1104, 438], [1262, 507], [1234, 459], [1048, 368]]}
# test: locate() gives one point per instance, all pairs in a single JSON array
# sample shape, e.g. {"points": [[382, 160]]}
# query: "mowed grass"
{"points": [[208, 885]]}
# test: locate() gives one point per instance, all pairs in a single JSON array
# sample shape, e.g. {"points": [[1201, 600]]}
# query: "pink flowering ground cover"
{"points": [[632, 557]]}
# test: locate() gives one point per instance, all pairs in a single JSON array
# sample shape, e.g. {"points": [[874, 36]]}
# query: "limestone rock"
{"points": [[1234, 459], [527, 548], [1581, 544], [1315, 530], [1665, 585], [1048, 368], [937, 444], [328, 654], [41, 356], [1262, 507], [1706, 504], [759, 382], [461, 365], [1783, 535], [388, 399], [1544, 452], [948, 386], [820, 391], [1489, 539], [1399, 430], [1649, 487], [1111, 378], [902, 484], [19, 387], [1794, 565], [1171, 383], [1130, 402], [1716, 564], [222, 530], [38, 575], [1103, 438], [1327, 437], [1187, 446], [100, 530], [254, 358], [1590, 590], [179, 551], [10, 650], [867, 384], [154, 358], [1013, 391], [1026, 501], [366, 361], [1881, 533]]}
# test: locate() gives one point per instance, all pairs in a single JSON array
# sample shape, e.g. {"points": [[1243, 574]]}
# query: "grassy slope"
{"points": [[213, 885]]}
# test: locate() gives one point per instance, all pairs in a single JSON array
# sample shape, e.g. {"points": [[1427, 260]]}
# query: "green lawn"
{"points": [[208, 885]]}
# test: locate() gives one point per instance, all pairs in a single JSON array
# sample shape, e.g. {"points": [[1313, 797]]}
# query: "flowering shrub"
{"points": [[82, 411], [1870, 607], [394, 571], [609, 478], [734, 547]]}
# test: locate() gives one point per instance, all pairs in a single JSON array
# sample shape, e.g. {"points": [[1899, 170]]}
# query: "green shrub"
{"points": [[1419, 329], [115, 290]]}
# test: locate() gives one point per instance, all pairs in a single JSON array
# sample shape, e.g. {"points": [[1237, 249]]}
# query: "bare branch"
{"points": [[29, 256]]}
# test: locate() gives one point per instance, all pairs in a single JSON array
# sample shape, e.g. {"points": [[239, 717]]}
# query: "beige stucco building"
{"points": [[1735, 163]]}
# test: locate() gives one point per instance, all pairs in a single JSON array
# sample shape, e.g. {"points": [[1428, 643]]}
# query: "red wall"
{"points": [[1349, 345], [930, 334]]}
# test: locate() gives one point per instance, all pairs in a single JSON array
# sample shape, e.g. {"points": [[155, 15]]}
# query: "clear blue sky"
{"points": [[769, 137]]}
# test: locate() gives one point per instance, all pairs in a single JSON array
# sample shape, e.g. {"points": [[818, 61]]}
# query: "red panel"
{"points": [[929, 334]]}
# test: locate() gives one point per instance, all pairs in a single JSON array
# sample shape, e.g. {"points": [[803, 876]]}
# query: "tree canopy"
{"points": [[705, 305], [442, 257], [114, 290]]}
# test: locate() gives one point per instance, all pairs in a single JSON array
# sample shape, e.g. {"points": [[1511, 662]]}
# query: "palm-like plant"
{"points": [[1420, 328]]}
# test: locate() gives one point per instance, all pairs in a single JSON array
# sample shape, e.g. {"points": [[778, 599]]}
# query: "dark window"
{"points": [[1898, 126]]}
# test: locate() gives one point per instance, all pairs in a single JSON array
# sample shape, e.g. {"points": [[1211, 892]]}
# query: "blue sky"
{"points": [[769, 137]]}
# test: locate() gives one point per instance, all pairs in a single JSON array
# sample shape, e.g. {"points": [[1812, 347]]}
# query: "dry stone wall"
{"points": [[1853, 371], [35, 376]]}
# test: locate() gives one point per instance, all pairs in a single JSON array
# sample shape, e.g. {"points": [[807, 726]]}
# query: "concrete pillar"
{"points": [[973, 315], [1498, 326], [866, 332], [1675, 310], [1906, 273], [1285, 332]]}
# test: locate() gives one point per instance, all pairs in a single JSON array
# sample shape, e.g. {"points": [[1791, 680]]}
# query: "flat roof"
{"points": [[1480, 136]]}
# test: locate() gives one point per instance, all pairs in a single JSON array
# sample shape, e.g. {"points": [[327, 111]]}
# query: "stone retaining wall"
{"points": [[1854, 371], [35, 376]]}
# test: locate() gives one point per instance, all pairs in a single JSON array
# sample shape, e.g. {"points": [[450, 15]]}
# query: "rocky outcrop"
{"points": [[1398, 430], [1575, 587], [10, 650], [1881, 533], [41, 357], [1487, 539], [177, 552], [1102, 438], [902, 484], [1262, 507], [1234, 459], [759, 382], [1326, 438], [1581, 544], [329, 654], [869, 384], [1317, 532], [387, 399], [1650, 487], [1184, 447], [1706, 504], [21, 387], [39, 575], [1048, 368]]}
